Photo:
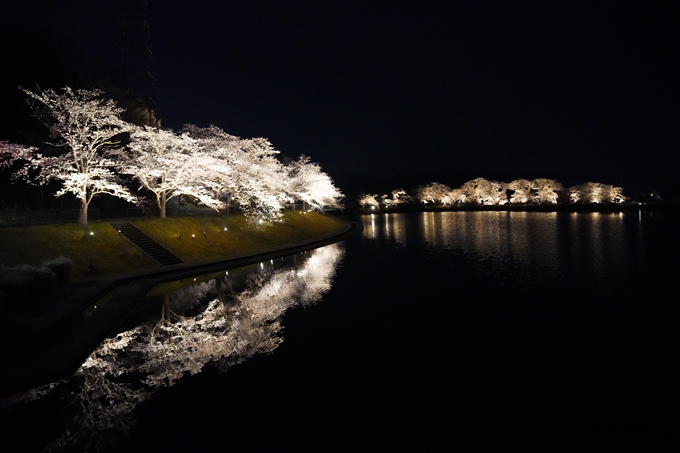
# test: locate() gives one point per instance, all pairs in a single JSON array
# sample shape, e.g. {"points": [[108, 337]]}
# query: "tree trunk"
{"points": [[162, 203], [82, 215]]}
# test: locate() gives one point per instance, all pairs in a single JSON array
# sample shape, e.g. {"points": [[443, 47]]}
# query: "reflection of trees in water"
{"points": [[230, 328]]}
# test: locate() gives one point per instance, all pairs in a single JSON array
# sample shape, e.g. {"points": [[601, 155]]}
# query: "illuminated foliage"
{"points": [[434, 193], [595, 192], [458, 196], [314, 187], [245, 171], [398, 197], [226, 159], [87, 127], [369, 200], [481, 191], [168, 165], [214, 168], [546, 190], [521, 191], [11, 152], [265, 188]]}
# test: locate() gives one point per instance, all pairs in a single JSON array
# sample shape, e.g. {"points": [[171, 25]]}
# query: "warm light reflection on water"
{"points": [[395, 228], [386, 225], [597, 240], [502, 237], [370, 229], [221, 321], [546, 240]]}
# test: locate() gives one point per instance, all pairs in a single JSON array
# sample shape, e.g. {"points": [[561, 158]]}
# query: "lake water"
{"points": [[467, 330]]}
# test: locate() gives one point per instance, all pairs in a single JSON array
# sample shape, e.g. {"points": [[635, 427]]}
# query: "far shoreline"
{"points": [[558, 208]]}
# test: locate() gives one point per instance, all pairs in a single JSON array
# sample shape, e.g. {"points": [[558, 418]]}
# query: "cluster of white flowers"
{"points": [[481, 191], [205, 164]]}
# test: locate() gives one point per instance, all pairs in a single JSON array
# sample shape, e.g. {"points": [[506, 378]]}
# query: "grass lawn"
{"points": [[238, 238], [110, 253]]}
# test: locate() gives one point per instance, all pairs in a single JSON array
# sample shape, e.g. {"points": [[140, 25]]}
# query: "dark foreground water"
{"points": [[467, 330]]}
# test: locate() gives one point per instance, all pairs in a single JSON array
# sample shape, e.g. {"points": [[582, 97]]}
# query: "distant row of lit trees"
{"points": [[94, 151], [483, 192]]}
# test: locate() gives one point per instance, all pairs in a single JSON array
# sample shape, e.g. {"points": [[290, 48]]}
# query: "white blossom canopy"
{"points": [[86, 126]]}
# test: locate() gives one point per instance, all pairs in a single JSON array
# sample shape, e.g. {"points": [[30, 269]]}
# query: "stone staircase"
{"points": [[147, 245]]}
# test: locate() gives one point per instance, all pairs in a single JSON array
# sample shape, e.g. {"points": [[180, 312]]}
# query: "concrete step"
{"points": [[145, 243]]}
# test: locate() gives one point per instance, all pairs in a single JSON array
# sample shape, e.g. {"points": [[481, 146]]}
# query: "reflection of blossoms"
{"points": [[232, 327]]}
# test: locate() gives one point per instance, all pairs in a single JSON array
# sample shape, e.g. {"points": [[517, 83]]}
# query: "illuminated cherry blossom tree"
{"points": [[263, 192], [521, 191], [311, 185], [614, 194], [398, 197], [87, 127], [12, 152], [475, 190], [485, 192], [434, 193], [369, 200], [169, 165], [546, 190], [458, 196], [246, 171], [595, 192], [583, 193], [496, 193], [227, 157]]}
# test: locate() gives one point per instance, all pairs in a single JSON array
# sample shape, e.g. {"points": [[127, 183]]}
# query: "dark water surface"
{"points": [[466, 330]]}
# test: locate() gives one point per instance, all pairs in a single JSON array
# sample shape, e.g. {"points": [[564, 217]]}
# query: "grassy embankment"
{"points": [[110, 253]]}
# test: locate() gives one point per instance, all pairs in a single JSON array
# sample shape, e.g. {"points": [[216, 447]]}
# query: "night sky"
{"points": [[498, 89]]}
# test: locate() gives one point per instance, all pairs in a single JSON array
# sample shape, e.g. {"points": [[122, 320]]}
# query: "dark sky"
{"points": [[518, 88]]}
